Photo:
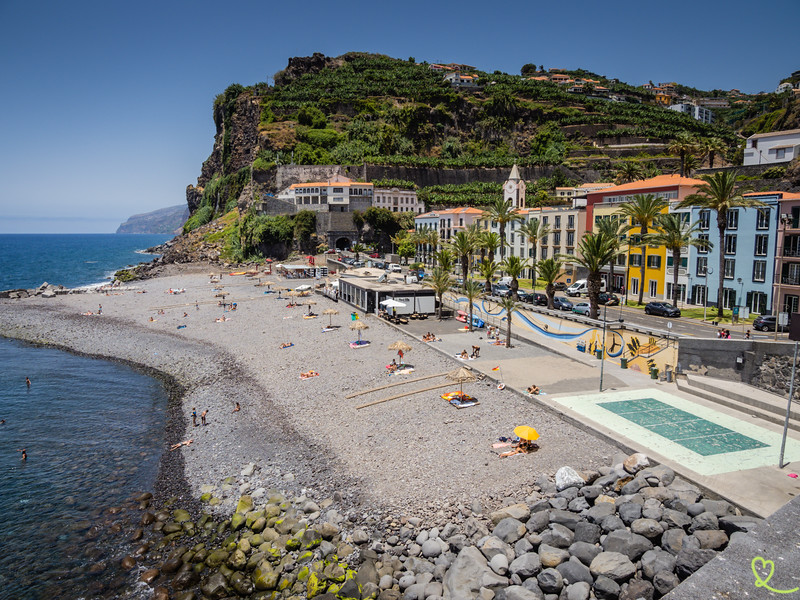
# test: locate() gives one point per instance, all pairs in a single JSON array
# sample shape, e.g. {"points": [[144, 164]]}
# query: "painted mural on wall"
{"points": [[640, 351]]}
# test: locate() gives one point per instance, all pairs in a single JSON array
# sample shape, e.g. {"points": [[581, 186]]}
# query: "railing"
{"points": [[790, 280], [790, 252]]}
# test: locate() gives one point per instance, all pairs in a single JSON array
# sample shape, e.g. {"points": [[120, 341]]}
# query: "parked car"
{"points": [[395, 268], [559, 286], [582, 287], [561, 303], [608, 299], [581, 308], [767, 323], [501, 290], [539, 299], [525, 296], [375, 255], [331, 251], [664, 309]]}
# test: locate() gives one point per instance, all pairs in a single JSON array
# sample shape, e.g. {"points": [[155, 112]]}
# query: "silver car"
{"points": [[581, 308]]}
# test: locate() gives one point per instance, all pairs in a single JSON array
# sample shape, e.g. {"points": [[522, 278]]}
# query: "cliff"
{"points": [[164, 220]]}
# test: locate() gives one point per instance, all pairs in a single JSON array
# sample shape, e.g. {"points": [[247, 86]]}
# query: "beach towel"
{"points": [[501, 445], [327, 329], [356, 345], [284, 347], [309, 375], [498, 343], [309, 316], [181, 326]]}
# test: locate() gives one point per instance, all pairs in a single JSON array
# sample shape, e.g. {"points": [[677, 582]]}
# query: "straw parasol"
{"points": [[330, 312], [401, 348], [524, 432], [461, 375], [359, 326], [311, 301]]}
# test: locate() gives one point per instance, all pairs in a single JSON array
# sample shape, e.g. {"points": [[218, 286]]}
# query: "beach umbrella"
{"points": [[401, 347], [303, 288], [311, 301], [524, 432], [330, 312], [358, 326], [461, 375]]}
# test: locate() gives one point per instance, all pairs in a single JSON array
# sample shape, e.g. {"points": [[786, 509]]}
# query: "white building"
{"points": [[784, 87], [774, 147], [698, 113], [448, 221], [462, 81], [335, 195], [397, 200]]}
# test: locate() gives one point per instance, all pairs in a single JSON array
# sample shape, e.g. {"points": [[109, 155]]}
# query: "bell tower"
{"points": [[514, 189]]}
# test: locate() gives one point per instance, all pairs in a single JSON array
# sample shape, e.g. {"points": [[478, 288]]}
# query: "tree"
{"points": [[488, 243], [615, 228], [440, 280], [305, 225], [487, 269], [431, 240], [719, 194], [445, 259], [472, 290], [462, 245], [406, 250], [627, 172], [509, 305], [675, 235], [357, 249], [690, 164], [514, 266], [595, 251], [400, 238], [642, 211], [528, 69], [550, 269], [683, 144], [711, 147], [534, 231], [502, 212]]}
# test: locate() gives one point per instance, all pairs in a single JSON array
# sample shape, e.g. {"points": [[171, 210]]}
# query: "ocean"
{"points": [[92, 430]]}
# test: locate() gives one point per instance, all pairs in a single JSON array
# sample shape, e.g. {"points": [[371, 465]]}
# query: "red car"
{"points": [[375, 255]]}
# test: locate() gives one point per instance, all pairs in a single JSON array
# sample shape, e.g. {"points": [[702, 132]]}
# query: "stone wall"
{"points": [[774, 374]]}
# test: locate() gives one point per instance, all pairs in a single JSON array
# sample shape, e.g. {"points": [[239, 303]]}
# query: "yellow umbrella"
{"points": [[524, 432]]}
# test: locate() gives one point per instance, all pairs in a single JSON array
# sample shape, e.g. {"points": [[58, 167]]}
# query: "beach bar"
{"points": [[367, 293]]}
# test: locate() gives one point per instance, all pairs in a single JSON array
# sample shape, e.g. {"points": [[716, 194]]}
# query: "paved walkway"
{"points": [[732, 454]]}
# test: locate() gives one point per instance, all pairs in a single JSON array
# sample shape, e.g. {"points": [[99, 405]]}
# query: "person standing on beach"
{"points": [[203, 416], [99, 309], [196, 305], [194, 417], [28, 382]]}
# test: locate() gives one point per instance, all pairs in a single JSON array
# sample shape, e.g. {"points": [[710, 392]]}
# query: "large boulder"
{"points": [[567, 477], [613, 565], [688, 561], [655, 561], [521, 512], [630, 544], [509, 530], [468, 574], [526, 565]]}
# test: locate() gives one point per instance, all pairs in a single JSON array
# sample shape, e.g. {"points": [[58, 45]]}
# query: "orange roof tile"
{"points": [[782, 195], [654, 182]]}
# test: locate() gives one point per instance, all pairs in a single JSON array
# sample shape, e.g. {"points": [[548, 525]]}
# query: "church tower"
{"points": [[514, 189]]}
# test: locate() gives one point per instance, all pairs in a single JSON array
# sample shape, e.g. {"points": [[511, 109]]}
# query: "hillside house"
{"points": [[774, 147], [458, 80]]}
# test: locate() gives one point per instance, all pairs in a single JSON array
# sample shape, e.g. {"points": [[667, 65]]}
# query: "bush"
{"points": [[125, 275], [774, 173], [201, 216]]}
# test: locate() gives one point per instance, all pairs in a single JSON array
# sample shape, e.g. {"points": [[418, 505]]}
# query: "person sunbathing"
{"points": [[179, 444], [464, 355], [286, 345], [533, 390], [393, 366], [308, 374]]}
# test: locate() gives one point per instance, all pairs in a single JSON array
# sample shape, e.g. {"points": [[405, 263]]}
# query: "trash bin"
{"points": [[669, 376], [580, 347], [653, 373], [623, 363], [599, 353]]}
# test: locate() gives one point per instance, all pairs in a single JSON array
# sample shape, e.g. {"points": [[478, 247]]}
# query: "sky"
{"points": [[106, 106]]}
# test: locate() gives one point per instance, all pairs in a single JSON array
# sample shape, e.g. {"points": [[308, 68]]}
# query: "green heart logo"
{"points": [[759, 566]]}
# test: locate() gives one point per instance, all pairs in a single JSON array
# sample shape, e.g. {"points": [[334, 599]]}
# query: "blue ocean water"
{"points": [[71, 260], [93, 431]]}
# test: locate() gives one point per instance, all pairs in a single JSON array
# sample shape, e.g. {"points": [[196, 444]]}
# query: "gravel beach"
{"points": [[415, 455]]}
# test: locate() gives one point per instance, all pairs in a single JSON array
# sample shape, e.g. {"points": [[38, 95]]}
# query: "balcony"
{"points": [[790, 280], [790, 252]]}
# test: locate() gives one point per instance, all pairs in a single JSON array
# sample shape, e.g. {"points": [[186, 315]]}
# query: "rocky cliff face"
{"points": [[164, 220]]}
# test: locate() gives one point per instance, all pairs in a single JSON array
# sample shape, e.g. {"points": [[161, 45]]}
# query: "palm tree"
{"points": [[627, 172], [472, 290], [440, 281], [534, 231], [711, 147], [462, 245], [502, 212], [358, 248], [595, 251], [445, 259], [400, 238], [550, 269], [487, 269], [488, 243], [510, 305], [675, 235], [683, 144], [690, 164], [514, 266], [719, 194], [615, 228], [642, 211], [431, 240]]}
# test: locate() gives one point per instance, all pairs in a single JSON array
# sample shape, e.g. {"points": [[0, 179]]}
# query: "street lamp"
{"points": [[603, 348]]}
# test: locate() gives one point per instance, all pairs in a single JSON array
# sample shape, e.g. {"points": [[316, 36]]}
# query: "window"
{"points": [[705, 219], [730, 268], [761, 245], [544, 240], [702, 266], [620, 260], [338, 190], [703, 237], [733, 218], [763, 218], [557, 238], [544, 220], [634, 286], [683, 261], [570, 238], [759, 270], [730, 244], [558, 222], [728, 297], [780, 153], [653, 287], [699, 294], [544, 253], [636, 260], [653, 262], [571, 222], [511, 241], [570, 251], [757, 302]]}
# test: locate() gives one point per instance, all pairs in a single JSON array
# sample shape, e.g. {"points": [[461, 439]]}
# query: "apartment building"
{"points": [[397, 200]]}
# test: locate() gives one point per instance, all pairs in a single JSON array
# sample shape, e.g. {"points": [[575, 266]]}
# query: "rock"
{"points": [[264, 578], [248, 470], [568, 477], [657, 560], [672, 540], [517, 592], [613, 565], [550, 581], [522, 546], [520, 512], [432, 548], [552, 557], [648, 528], [587, 532], [242, 584], [733, 523], [612, 523], [367, 573], [526, 565], [574, 570], [245, 504], [128, 563], [675, 519], [585, 552], [696, 509], [494, 545], [565, 517], [688, 561], [600, 511], [629, 512], [578, 505], [705, 521], [714, 539], [630, 544], [665, 581], [635, 463], [215, 587], [360, 536], [149, 576], [634, 486], [606, 588], [509, 530], [558, 536], [538, 521], [468, 574], [499, 564], [637, 589], [386, 582], [720, 508], [185, 578], [350, 590], [578, 591]]}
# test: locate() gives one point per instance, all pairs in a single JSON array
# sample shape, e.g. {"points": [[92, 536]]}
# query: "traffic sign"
{"points": [[783, 319]]}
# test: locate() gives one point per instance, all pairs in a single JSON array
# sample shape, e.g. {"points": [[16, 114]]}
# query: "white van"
{"points": [[394, 268], [504, 281], [581, 287]]}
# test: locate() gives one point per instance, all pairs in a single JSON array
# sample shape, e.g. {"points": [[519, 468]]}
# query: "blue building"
{"points": [[749, 253]]}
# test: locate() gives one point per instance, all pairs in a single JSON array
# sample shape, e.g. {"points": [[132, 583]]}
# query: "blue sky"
{"points": [[107, 105]]}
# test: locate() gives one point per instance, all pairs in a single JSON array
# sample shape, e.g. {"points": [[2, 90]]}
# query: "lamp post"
{"points": [[705, 292], [603, 348]]}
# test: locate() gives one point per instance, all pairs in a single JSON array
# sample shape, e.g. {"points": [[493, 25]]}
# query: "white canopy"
{"points": [[302, 288], [392, 303]]}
